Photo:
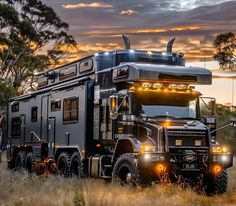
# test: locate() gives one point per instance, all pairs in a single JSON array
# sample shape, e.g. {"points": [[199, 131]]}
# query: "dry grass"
{"points": [[22, 190]]}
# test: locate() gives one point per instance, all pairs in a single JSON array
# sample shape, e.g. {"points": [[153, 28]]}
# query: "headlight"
{"points": [[219, 149], [216, 149], [153, 157], [221, 158], [147, 148]]}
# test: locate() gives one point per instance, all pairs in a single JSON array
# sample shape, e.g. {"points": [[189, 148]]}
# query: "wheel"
{"points": [[63, 164], [75, 165], [20, 161], [29, 160], [217, 185], [126, 172]]}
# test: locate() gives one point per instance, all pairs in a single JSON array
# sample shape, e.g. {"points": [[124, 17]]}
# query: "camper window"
{"points": [[16, 127], [15, 107], [55, 105], [34, 114], [70, 110]]}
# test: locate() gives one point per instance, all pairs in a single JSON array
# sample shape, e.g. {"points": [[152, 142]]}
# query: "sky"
{"points": [[97, 25]]}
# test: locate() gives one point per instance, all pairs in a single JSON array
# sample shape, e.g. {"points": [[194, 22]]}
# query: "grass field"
{"points": [[23, 190]]}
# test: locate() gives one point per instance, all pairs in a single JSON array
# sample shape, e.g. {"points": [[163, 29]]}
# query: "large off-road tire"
{"points": [[127, 172], [76, 165], [29, 161], [217, 185], [63, 164], [20, 161]]}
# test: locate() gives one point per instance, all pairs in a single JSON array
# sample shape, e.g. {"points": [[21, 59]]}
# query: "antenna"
{"points": [[170, 45], [205, 50], [126, 41]]}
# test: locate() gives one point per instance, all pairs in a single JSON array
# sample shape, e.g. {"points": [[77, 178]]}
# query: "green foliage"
{"points": [[32, 37], [6, 92], [225, 45], [228, 135]]}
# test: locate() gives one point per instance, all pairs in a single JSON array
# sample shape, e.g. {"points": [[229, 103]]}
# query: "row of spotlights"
{"points": [[160, 85], [132, 51]]}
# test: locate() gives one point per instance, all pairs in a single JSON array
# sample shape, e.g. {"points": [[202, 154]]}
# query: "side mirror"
{"points": [[207, 106], [118, 103], [233, 122], [113, 106]]}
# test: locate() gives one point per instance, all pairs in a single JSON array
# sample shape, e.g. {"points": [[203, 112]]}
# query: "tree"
{"points": [[6, 92], [32, 37], [225, 45]]}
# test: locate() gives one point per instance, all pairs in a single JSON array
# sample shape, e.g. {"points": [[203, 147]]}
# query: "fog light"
{"points": [[160, 168], [216, 169]]}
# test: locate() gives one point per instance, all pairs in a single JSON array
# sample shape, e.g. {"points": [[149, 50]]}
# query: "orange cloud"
{"points": [[184, 28], [87, 5], [128, 12], [151, 30], [161, 30]]}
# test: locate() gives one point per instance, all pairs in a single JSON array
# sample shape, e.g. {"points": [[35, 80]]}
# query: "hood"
{"points": [[177, 123]]}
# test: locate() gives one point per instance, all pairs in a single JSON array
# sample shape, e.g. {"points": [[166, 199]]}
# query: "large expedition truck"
{"points": [[129, 116]]}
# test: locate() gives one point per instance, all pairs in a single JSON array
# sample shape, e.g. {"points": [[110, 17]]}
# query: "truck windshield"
{"points": [[180, 106]]}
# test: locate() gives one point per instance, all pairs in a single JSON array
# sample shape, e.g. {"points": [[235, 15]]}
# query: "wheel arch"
{"points": [[124, 145]]}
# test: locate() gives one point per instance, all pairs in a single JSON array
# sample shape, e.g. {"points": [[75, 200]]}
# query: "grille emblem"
{"points": [[189, 158]]}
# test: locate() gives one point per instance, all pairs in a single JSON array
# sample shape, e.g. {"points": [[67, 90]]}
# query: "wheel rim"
{"points": [[125, 176]]}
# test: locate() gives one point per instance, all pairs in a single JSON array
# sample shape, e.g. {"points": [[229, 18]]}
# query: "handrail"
{"points": [[33, 133]]}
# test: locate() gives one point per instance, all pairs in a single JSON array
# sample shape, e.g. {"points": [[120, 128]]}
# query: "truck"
{"points": [[130, 116]]}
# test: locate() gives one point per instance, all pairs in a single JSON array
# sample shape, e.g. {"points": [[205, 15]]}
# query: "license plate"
{"points": [[190, 166]]}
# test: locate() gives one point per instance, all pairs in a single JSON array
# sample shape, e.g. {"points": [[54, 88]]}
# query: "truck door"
{"points": [[51, 136]]}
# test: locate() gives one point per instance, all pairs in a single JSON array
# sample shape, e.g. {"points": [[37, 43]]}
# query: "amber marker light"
{"points": [[166, 123], [216, 169], [217, 149], [160, 168], [140, 89], [147, 148], [224, 149]]}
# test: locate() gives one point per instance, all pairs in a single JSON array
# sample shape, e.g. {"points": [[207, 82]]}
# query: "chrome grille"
{"points": [[186, 138]]}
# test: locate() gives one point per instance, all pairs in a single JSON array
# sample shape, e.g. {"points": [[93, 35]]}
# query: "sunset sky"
{"points": [[150, 24]]}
